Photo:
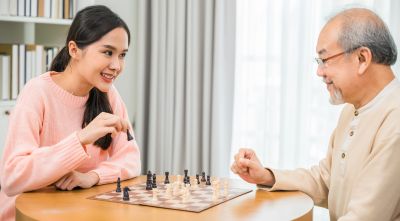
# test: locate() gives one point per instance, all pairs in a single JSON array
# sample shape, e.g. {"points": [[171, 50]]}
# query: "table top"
{"points": [[52, 204]]}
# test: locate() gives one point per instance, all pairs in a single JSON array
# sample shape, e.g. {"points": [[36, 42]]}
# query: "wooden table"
{"points": [[51, 204]]}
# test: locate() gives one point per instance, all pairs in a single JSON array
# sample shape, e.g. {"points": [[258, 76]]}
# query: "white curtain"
{"points": [[281, 107], [184, 63]]}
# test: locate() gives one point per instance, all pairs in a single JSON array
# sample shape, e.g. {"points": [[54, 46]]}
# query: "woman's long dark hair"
{"points": [[89, 25]]}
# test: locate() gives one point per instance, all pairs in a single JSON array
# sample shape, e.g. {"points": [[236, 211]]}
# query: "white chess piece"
{"points": [[154, 194], [168, 191]]}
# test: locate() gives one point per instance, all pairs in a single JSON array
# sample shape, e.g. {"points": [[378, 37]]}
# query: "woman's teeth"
{"points": [[108, 76]]}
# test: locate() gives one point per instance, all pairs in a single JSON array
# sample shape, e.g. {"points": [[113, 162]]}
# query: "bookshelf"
{"points": [[32, 28]]}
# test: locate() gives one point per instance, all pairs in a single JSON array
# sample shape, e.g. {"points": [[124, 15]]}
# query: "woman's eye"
{"points": [[123, 55], [109, 53]]}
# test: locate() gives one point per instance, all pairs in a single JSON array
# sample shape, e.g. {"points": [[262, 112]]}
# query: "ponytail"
{"points": [[97, 102], [61, 61]]}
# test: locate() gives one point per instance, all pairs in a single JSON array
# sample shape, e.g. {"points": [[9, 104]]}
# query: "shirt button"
{"points": [[343, 155], [351, 133], [356, 113]]}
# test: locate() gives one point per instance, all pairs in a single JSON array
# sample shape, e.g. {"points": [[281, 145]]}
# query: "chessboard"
{"points": [[200, 198]]}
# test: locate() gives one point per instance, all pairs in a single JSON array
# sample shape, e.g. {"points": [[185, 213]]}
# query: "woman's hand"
{"points": [[74, 179], [102, 125]]}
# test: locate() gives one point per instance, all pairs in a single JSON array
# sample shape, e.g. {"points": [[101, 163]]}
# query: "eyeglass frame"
{"points": [[321, 61]]}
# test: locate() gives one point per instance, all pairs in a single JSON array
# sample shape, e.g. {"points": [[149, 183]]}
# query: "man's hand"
{"points": [[74, 179], [250, 169]]}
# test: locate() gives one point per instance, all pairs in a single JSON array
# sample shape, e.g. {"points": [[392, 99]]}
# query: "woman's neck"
{"points": [[72, 82]]}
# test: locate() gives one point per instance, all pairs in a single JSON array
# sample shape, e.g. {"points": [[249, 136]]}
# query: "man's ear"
{"points": [[364, 58], [73, 50]]}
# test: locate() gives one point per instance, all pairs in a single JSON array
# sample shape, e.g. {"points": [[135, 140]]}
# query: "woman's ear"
{"points": [[73, 50], [364, 58]]}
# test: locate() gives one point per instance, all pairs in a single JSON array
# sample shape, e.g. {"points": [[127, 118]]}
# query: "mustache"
{"points": [[326, 81]]}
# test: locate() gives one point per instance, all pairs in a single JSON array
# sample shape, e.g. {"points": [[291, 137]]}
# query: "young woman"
{"points": [[69, 126]]}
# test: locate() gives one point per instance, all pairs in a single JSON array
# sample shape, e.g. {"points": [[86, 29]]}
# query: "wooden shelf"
{"points": [[37, 20]]}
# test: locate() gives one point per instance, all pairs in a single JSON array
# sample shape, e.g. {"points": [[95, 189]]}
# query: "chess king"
{"points": [[65, 120], [359, 177]]}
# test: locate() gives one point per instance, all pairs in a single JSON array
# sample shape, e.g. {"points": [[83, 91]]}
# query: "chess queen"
{"points": [[70, 127]]}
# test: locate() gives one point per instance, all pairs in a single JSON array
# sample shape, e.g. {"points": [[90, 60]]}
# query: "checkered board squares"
{"points": [[200, 199]]}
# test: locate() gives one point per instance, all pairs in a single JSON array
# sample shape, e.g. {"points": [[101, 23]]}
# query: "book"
{"points": [[5, 77]]}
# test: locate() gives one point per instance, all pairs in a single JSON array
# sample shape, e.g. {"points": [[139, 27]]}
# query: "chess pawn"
{"points": [[208, 182], [166, 178], [214, 196], [118, 190], [195, 186], [226, 188], [179, 178], [198, 179], [203, 177], [154, 194], [154, 184], [168, 191], [175, 190]]}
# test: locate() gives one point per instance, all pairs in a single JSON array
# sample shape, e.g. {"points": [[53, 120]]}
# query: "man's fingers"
{"points": [[246, 163]]}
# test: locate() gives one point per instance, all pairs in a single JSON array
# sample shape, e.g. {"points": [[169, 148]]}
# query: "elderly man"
{"points": [[359, 179]]}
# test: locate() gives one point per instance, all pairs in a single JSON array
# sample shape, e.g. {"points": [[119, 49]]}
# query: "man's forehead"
{"points": [[328, 38]]}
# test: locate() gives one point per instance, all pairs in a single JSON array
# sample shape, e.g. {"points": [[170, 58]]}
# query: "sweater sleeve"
{"points": [[28, 166], [124, 156], [314, 182], [376, 192]]}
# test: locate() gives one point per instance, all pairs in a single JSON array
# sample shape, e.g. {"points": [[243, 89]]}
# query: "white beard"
{"points": [[337, 97]]}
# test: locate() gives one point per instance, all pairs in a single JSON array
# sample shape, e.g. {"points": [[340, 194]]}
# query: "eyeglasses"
{"points": [[321, 61]]}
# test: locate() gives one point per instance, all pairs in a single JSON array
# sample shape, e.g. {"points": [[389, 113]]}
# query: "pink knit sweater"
{"points": [[42, 143]]}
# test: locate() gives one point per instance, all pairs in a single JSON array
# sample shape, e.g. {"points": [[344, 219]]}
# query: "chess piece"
{"points": [[149, 185], [154, 194], [208, 182], [185, 177], [129, 136], [226, 188], [168, 191], [166, 181], [203, 177], [118, 190], [154, 185], [198, 179], [126, 194], [178, 179]]}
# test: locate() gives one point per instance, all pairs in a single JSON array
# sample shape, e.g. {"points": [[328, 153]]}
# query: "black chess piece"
{"points": [[129, 136], [198, 179], [118, 190], [187, 180], [185, 176], [149, 185], [208, 182], [126, 194], [203, 177], [166, 181], [154, 184]]}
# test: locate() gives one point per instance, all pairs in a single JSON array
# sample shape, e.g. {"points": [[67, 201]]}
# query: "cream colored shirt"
{"points": [[359, 179]]}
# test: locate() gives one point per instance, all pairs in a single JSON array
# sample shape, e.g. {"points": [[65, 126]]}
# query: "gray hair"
{"points": [[367, 31]]}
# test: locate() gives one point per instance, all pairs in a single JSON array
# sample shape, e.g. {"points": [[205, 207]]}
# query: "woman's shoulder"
{"points": [[35, 86]]}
